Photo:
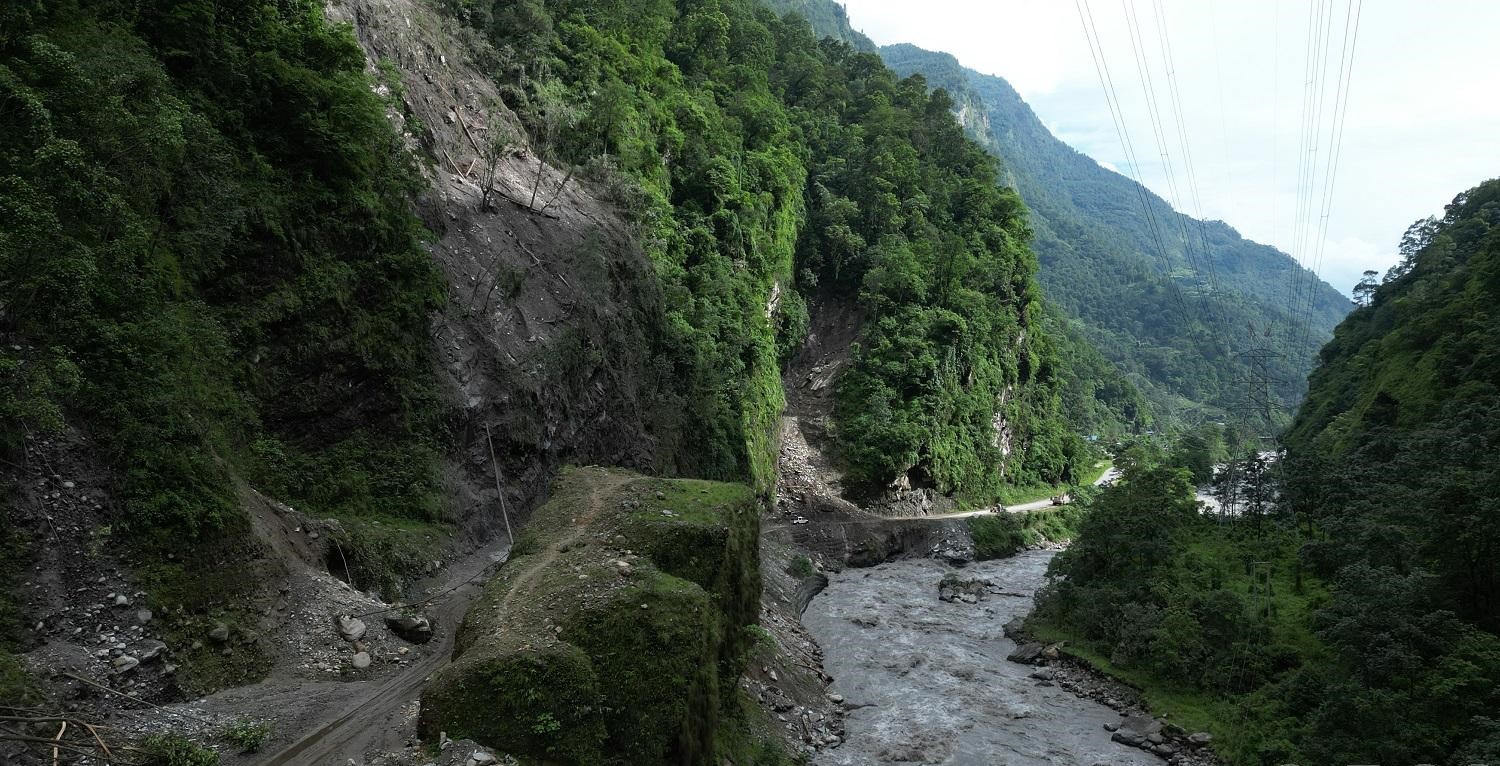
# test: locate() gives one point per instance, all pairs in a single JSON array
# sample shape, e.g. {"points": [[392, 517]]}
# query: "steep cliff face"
{"points": [[547, 344]]}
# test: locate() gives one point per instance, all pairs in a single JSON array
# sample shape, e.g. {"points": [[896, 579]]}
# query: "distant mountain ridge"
{"points": [[1177, 321], [828, 19]]}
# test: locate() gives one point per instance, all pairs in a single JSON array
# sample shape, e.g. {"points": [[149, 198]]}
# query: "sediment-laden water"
{"points": [[935, 679]]}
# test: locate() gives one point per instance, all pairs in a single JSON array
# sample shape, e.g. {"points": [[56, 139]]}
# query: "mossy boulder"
{"points": [[619, 636]]}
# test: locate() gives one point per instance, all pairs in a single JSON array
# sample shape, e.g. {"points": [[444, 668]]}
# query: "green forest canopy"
{"points": [[1356, 622]]}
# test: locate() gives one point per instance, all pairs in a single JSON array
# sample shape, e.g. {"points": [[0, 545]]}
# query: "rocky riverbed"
{"points": [[926, 680]]}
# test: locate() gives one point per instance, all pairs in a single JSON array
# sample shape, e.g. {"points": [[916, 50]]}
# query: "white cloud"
{"points": [[1420, 126]]}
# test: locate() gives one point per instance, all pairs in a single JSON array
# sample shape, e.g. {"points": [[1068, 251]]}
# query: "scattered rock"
{"points": [[1138, 731], [152, 650], [969, 591], [481, 758], [143, 616], [417, 630], [1200, 738], [1015, 629], [865, 621], [125, 663], [360, 660], [220, 632], [122, 600]]}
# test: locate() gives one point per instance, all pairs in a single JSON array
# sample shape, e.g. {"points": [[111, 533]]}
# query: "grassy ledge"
{"points": [[618, 633]]}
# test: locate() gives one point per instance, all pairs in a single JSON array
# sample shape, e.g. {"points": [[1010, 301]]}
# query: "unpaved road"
{"points": [[1108, 477], [375, 715], [362, 716], [581, 524]]}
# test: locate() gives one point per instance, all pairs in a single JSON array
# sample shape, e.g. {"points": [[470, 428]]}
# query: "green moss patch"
{"points": [[619, 635]]}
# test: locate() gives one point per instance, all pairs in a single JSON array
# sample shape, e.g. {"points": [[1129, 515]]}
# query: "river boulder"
{"points": [[1027, 653]]}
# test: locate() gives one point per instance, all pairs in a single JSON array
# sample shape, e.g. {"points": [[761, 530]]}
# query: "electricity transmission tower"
{"points": [[1260, 399], [1258, 403]]}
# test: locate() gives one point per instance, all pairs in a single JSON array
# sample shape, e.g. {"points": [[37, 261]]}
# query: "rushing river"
{"points": [[935, 679]]}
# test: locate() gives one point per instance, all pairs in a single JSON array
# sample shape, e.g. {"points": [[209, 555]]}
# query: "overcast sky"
{"points": [[1423, 121]]}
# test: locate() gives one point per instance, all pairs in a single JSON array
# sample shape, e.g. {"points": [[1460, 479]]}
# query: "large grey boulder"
{"points": [[417, 630], [1027, 652], [1138, 731], [151, 649], [351, 628]]}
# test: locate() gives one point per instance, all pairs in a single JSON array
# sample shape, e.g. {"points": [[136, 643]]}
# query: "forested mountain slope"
{"points": [[1351, 615], [1397, 441], [1102, 264], [1150, 309], [766, 160], [1394, 456], [254, 260], [828, 19]]}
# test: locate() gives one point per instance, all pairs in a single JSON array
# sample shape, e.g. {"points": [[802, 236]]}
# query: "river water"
{"points": [[934, 675]]}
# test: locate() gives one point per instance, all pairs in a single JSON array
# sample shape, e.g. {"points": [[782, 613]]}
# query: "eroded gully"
{"points": [[928, 681]]}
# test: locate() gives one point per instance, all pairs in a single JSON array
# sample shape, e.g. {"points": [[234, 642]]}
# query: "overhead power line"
{"points": [[1117, 116], [1336, 145]]}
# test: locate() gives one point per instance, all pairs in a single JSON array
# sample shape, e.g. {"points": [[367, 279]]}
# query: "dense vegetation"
{"points": [[1353, 620], [1174, 321], [997, 535], [208, 236], [828, 19], [209, 262], [760, 156]]}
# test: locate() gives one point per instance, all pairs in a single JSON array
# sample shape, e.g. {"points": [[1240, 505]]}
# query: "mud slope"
{"points": [[546, 337]]}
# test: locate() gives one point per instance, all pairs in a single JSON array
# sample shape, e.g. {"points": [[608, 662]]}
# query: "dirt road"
{"points": [[376, 715], [359, 717], [1107, 477]]}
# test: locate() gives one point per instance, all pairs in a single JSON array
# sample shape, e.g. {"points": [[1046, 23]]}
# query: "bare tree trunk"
{"points": [[560, 188], [536, 184]]}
